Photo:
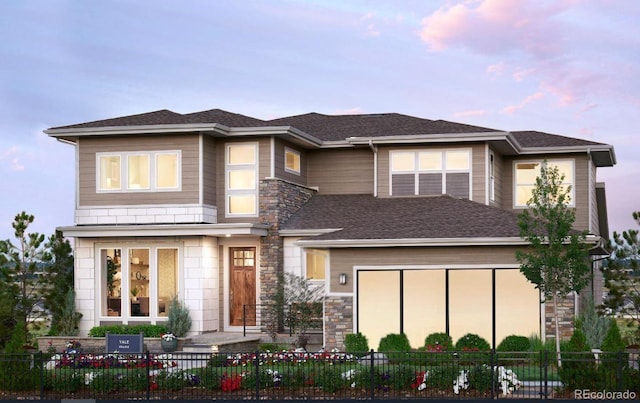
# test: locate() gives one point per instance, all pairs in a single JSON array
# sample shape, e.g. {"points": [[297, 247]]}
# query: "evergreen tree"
{"points": [[557, 258], [59, 277], [622, 276]]}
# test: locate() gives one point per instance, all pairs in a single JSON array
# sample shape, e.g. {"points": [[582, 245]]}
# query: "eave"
{"points": [[155, 230]]}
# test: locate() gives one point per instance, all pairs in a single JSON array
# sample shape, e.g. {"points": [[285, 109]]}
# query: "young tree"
{"points": [[622, 276], [557, 259]]}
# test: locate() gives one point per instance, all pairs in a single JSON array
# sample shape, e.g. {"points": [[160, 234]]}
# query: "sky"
{"points": [[568, 67]]}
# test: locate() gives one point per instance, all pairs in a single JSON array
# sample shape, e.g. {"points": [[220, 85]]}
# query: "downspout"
{"points": [[375, 167]]}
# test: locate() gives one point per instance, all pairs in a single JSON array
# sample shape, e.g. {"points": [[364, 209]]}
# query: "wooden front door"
{"points": [[242, 286]]}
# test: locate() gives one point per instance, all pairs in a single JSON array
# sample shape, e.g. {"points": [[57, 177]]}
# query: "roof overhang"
{"points": [[421, 242], [146, 230], [214, 129], [430, 138]]}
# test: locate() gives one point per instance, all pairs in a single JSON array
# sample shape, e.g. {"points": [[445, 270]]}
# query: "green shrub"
{"points": [[356, 344], [66, 381], [179, 318], [171, 380], [432, 341], [136, 380], [217, 360], [273, 347], [480, 378], [472, 342], [442, 377], [514, 343], [16, 371], [613, 340], [395, 346], [103, 382], [147, 330], [593, 325], [578, 370], [401, 376], [210, 378], [330, 379]]}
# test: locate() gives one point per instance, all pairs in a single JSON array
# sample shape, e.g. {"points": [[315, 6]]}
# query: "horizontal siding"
{"points": [[209, 171], [279, 163], [340, 171], [593, 202], [89, 146], [344, 260], [479, 171], [498, 175]]}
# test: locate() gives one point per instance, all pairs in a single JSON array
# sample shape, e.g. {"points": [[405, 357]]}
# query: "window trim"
{"points": [[443, 168], [152, 166], [572, 182], [230, 192], [298, 157], [314, 251]]}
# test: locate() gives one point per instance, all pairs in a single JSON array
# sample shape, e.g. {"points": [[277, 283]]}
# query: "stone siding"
{"points": [[566, 315], [338, 320], [278, 201]]}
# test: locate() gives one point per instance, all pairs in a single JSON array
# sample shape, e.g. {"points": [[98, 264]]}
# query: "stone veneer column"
{"points": [[278, 201], [566, 315], [338, 321]]}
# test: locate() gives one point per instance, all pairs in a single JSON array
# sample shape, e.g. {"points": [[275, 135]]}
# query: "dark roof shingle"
{"points": [[540, 139], [368, 217]]}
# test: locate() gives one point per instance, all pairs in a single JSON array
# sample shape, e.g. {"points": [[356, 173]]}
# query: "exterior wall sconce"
{"points": [[343, 278]]}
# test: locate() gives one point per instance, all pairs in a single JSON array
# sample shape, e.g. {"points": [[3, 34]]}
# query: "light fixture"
{"points": [[343, 278]]}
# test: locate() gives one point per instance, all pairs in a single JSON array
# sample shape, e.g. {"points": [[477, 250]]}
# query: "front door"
{"points": [[242, 286]]}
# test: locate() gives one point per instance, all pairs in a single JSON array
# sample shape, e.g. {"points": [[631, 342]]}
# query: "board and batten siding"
{"points": [[498, 179], [88, 147], [279, 163], [264, 171], [581, 185], [478, 168], [594, 219], [341, 171], [344, 260]]}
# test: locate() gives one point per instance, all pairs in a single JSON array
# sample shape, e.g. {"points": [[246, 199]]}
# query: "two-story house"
{"points": [[409, 224]]}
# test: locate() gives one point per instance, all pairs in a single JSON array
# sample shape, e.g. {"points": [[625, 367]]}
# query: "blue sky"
{"points": [[568, 67]]}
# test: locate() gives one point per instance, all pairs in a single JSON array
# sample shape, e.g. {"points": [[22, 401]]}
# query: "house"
{"points": [[409, 224]]}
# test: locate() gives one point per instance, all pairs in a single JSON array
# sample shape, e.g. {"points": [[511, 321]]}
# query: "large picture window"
{"points": [[137, 281], [526, 173], [431, 172], [241, 179], [138, 171]]}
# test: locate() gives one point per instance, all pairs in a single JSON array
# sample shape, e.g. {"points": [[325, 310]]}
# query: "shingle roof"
{"points": [[540, 139], [331, 127], [368, 217], [340, 127]]}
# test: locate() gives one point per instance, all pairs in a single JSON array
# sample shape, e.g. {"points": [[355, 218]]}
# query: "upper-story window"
{"points": [[431, 172], [526, 173], [138, 171], [242, 179], [291, 161]]}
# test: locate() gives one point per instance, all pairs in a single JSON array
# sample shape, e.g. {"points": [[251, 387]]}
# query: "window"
{"points": [[526, 173], [139, 171], [138, 282], [431, 172], [315, 264], [291, 161], [241, 179]]}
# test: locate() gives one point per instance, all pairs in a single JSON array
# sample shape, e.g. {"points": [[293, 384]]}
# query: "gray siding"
{"points": [[340, 171], [593, 202], [89, 146], [209, 171], [343, 260], [279, 163], [498, 180]]}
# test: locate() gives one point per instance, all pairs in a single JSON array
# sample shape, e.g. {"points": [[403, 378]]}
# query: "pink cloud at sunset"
{"points": [[515, 108]]}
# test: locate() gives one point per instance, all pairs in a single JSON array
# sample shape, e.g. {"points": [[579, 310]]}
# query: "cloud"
{"points": [[371, 29], [496, 69], [497, 26], [473, 112], [514, 108], [11, 159]]}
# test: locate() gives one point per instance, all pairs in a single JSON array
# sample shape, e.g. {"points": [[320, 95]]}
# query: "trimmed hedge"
{"points": [[146, 330]]}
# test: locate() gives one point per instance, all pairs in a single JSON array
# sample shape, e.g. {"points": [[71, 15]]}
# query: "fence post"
{"points": [[545, 363], [619, 369], [147, 358], [244, 320], [257, 365], [41, 360], [371, 375], [493, 373]]}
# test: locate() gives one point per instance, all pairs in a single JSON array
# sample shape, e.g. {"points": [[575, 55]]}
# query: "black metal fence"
{"points": [[322, 375]]}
